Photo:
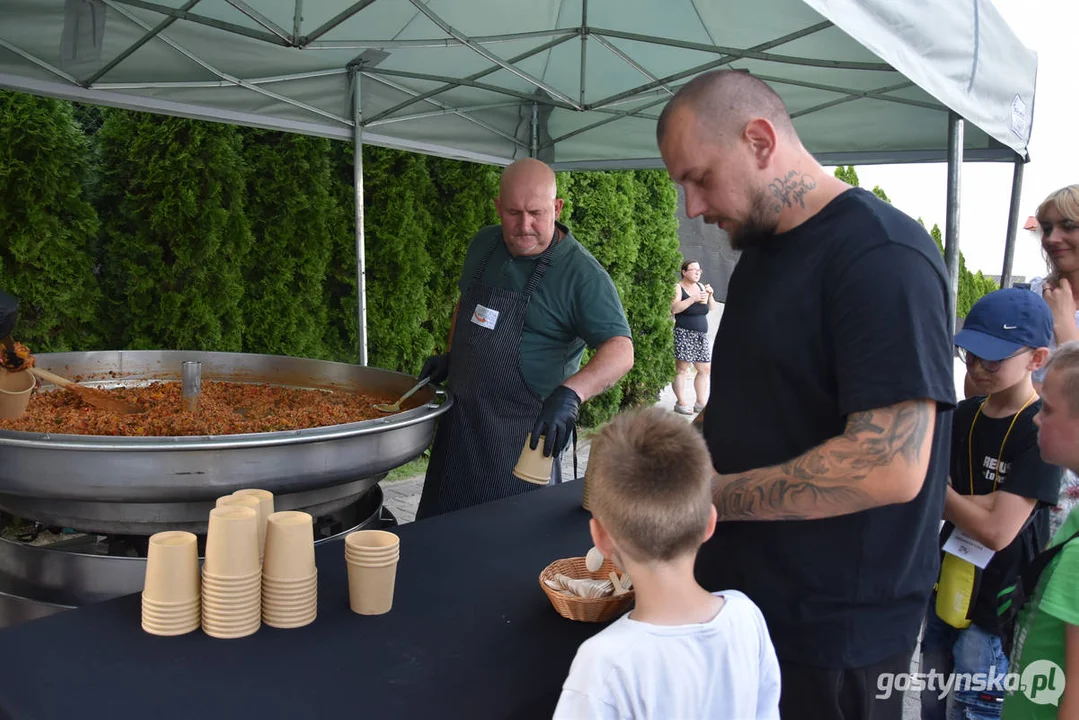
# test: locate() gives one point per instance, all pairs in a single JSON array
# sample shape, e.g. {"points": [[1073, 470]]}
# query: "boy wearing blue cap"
{"points": [[996, 507]]}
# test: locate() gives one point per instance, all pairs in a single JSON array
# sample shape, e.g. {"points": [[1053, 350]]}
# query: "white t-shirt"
{"points": [[724, 668]]}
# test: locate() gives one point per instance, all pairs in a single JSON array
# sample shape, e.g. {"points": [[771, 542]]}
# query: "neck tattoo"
{"points": [[790, 190]]}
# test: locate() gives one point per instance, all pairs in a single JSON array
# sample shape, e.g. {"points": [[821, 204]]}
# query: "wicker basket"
{"points": [[583, 609]]}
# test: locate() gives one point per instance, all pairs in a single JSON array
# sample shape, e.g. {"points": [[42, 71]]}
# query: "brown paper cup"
{"points": [[232, 543], [269, 583], [372, 540], [171, 630], [172, 568], [287, 623], [15, 390], [169, 606], [215, 585], [269, 594], [371, 561], [532, 466], [265, 498], [370, 589], [226, 602], [177, 610], [231, 632], [239, 615], [255, 504], [170, 618], [290, 546], [365, 558]]}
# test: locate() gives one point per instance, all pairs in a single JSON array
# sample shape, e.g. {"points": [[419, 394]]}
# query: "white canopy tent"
{"points": [[577, 83]]}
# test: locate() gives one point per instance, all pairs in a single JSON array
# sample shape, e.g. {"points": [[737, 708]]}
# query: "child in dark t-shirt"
{"points": [[997, 501]]}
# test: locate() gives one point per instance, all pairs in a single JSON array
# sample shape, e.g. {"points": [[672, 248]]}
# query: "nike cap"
{"points": [[1004, 322]]}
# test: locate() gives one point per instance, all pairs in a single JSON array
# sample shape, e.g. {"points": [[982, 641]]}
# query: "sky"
{"points": [[1050, 28]]}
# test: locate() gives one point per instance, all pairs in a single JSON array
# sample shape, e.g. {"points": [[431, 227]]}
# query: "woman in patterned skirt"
{"points": [[690, 306]]}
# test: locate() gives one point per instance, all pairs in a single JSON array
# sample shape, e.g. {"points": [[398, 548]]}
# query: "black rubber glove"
{"points": [[437, 368], [556, 420], [9, 311]]}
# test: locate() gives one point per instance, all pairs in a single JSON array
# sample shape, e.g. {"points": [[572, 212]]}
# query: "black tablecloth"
{"points": [[471, 634]]}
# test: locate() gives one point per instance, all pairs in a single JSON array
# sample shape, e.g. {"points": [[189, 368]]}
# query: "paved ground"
{"points": [[402, 496]]}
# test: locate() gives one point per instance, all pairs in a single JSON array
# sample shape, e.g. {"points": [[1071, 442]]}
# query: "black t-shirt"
{"points": [[1021, 471], [844, 313], [694, 317]]}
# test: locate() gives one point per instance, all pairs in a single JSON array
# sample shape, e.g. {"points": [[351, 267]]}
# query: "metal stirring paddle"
{"points": [[396, 407]]}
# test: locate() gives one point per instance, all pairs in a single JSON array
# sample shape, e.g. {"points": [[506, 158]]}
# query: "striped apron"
{"points": [[480, 437]]}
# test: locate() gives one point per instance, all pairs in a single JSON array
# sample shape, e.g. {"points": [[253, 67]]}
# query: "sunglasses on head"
{"points": [[990, 366]]}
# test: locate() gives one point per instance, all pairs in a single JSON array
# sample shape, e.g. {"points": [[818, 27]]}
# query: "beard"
{"points": [[760, 225]]}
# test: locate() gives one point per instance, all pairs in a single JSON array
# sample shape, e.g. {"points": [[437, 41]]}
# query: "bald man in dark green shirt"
{"points": [[532, 299]]}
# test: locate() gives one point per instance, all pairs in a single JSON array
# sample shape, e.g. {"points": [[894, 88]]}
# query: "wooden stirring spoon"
{"points": [[93, 396]]}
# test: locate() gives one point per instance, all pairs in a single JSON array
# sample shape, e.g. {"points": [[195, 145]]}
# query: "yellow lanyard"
{"points": [[970, 441]]}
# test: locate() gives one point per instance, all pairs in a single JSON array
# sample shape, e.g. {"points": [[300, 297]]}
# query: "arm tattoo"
{"points": [[791, 189], [828, 480]]}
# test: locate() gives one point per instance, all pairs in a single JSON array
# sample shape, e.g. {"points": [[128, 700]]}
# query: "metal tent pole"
{"points": [[1013, 223], [951, 231], [534, 148], [357, 180]]}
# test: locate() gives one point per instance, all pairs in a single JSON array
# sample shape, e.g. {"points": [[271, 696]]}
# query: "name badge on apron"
{"points": [[485, 317], [964, 546]]}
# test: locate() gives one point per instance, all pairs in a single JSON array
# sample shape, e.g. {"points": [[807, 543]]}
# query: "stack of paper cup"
{"points": [[170, 593], [265, 498], [371, 557], [532, 466], [231, 573], [289, 576], [255, 504]]}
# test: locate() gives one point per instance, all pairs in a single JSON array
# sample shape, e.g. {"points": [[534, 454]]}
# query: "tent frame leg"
{"points": [[357, 181], [1013, 222], [951, 232]]}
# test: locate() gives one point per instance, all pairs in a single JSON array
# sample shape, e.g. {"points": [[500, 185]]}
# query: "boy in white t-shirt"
{"points": [[681, 652]]}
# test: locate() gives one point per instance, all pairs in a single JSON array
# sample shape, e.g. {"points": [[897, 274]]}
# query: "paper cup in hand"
{"points": [[533, 466]]}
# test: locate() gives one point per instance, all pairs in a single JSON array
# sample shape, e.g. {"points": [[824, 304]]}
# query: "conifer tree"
{"points": [[48, 228], [175, 231]]}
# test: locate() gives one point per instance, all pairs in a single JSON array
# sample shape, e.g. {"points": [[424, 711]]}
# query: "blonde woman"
{"points": [[690, 306], [1058, 216]]}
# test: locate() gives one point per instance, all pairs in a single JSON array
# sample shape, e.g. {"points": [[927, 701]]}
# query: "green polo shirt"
{"points": [[575, 305]]}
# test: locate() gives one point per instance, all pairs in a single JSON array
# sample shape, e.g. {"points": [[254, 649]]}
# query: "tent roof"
{"points": [[578, 82]]}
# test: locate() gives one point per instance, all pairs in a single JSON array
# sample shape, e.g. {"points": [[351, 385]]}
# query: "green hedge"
{"points": [[291, 211], [175, 232], [48, 230], [215, 237]]}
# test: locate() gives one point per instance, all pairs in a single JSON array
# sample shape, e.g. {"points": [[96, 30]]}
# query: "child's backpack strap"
{"points": [[1032, 572]]}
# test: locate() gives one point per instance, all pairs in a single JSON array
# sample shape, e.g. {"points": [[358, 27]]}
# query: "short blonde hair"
{"points": [[651, 487], [1064, 363], [1066, 202]]}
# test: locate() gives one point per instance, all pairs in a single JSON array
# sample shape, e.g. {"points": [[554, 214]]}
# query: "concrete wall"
{"points": [[708, 245]]}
